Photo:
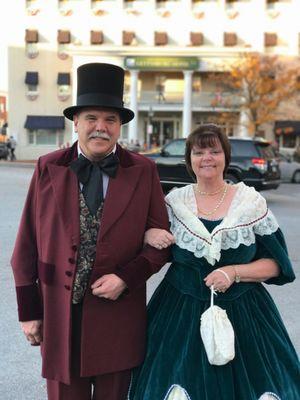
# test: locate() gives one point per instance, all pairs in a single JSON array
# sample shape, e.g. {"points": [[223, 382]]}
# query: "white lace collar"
{"points": [[248, 215]]}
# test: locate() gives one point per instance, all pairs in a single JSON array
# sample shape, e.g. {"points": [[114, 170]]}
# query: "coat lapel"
{"points": [[65, 187], [120, 191]]}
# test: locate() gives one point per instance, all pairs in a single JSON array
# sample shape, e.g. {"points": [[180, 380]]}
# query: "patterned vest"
{"points": [[89, 228]]}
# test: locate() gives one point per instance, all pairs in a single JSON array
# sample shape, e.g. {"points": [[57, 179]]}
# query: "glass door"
{"points": [[162, 132]]}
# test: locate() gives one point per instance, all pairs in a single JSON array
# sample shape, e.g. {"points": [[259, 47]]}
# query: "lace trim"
{"points": [[130, 386], [177, 392], [269, 396], [248, 215]]}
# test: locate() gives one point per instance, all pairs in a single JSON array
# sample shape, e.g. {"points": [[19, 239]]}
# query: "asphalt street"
{"points": [[20, 363]]}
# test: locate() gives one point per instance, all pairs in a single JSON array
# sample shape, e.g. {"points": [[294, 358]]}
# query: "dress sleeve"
{"points": [[273, 246]]}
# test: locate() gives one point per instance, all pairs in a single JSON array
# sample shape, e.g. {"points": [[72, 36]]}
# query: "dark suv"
{"points": [[252, 161]]}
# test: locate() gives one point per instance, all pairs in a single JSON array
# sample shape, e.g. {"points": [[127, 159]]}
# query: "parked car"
{"points": [[290, 170], [253, 161], [3, 151]]}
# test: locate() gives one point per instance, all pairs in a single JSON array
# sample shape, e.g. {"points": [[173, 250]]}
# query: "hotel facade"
{"points": [[168, 49]]}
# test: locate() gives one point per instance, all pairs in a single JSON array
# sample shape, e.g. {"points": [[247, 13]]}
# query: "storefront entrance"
{"points": [[161, 130]]}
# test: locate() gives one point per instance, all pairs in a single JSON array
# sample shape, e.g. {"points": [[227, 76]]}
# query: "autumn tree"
{"points": [[261, 83]]}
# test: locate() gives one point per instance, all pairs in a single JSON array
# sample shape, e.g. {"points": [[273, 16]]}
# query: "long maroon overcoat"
{"points": [[44, 261]]}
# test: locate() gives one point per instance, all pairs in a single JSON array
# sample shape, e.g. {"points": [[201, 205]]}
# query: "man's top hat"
{"points": [[100, 85]]}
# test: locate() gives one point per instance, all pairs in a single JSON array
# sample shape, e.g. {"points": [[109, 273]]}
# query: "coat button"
{"points": [[67, 287], [74, 247], [71, 260], [69, 273]]}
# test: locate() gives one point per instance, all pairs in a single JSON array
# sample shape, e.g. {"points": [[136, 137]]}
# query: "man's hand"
{"points": [[33, 331], [109, 286]]}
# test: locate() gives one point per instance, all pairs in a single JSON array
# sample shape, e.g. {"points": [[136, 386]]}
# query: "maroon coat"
{"points": [[44, 261]]}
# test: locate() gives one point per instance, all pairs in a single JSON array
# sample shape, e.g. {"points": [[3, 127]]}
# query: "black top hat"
{"points": [[100, 85]]}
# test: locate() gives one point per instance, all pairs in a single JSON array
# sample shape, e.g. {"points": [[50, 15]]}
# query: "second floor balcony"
{"points": [[200, 100]]}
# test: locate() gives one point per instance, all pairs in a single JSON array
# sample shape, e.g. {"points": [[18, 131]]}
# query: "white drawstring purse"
{"points": [[217, 334]]}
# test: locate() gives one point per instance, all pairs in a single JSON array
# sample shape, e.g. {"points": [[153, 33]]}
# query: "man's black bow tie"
{"points": [[90, 175]]}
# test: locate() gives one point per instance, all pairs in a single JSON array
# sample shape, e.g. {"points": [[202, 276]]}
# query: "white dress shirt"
{"points": [[105, 177]]}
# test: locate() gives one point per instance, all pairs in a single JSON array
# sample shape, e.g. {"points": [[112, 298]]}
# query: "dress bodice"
{"points": [[187, 272]]}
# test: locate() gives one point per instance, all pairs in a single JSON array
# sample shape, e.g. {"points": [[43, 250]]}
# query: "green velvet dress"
{"points": [[176, 365]]}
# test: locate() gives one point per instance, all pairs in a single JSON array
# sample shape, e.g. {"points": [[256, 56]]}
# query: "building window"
{"points": [[44, 129], [230, 39], [63, 85], [31, 40], [271, 39], [197, 84], [43, 137], [160, 38], [65, 7], [30, 137], [196, 38], [96, 37], [289, 140], [128, 38], [63, 79], [63, 37], [32, 88], [32, 80], [31, 36], [33, 7]]}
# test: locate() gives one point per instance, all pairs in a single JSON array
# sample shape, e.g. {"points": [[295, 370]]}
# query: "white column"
{"points": [[187, 104], [243, 124], [133, 125]]}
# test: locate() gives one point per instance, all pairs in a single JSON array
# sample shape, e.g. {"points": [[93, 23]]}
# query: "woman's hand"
{"points": [[221, 278], [158, 238]]}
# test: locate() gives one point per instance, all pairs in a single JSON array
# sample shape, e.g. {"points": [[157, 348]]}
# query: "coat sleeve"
{"points": [[273, 246], [150, 260], [24, 259]]}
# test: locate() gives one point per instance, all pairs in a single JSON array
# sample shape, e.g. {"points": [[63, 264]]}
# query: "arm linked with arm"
{"points": [[150, 260]]}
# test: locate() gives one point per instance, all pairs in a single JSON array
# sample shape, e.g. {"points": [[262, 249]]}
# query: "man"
{"points": [[79, 262], [11, 146]]}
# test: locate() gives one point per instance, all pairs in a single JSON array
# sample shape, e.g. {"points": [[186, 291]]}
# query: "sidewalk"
{"points": [[18, 163]]}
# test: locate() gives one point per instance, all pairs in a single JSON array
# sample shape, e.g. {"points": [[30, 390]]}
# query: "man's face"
{"points": [[98, 131]]}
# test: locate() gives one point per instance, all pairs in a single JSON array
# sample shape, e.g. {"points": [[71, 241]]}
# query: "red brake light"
{"points": [[258, 161]]}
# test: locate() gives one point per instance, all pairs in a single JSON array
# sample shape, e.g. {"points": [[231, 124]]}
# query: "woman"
{"points": [[226, 237]]}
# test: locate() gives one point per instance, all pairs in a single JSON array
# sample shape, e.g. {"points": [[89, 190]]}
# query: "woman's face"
{"points": [[208, 162]]}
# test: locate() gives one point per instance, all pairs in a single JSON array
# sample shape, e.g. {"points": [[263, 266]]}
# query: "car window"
{"points": [[282, 157], [176, 148], [240, 148], [266, 151]]}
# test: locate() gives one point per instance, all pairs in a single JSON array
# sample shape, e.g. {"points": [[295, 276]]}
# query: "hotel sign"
{"points": [[162, 63]]}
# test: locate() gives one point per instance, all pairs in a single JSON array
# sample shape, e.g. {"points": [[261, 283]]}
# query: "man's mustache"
{"points": [[101, 135]]}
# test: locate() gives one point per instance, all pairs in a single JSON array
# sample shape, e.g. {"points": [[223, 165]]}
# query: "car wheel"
{"points": [[231, 179], [296, 177]]}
